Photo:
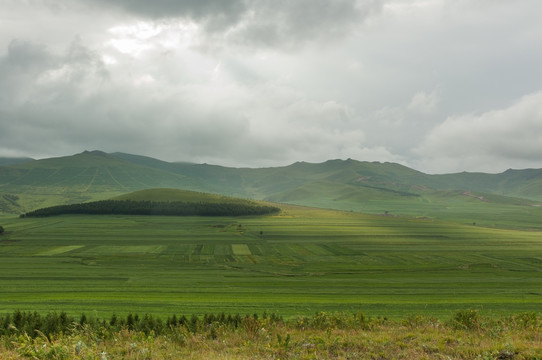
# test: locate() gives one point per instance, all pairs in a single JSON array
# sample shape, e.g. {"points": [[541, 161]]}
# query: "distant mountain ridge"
{"points": [[525, 183], [343, 184]]}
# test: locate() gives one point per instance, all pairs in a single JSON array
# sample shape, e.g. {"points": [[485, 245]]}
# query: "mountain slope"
{"points": [[271, 182], [341, 184], [525, 183], [82, 177]]}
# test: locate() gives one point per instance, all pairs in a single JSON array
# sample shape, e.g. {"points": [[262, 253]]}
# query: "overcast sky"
{"points": [[440, 86]]}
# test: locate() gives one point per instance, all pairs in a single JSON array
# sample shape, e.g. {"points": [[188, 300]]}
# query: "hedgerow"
{"points": [[34, 324]]}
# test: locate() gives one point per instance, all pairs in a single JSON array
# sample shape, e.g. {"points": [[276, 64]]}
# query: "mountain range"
{"points": [[373, 187]]}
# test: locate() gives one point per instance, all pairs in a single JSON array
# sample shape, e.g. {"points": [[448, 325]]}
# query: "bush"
{"points": [[529, 320], [466, 320], [323, 321]]}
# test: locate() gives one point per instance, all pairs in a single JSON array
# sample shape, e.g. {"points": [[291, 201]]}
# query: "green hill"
{"points": [[86, 172], [171, 202], [173, 195], [525, 183], [82, 177], [372, 187], [272, 182]]}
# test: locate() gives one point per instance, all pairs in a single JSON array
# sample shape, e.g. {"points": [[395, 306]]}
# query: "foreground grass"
{"points": [[323, 336]]}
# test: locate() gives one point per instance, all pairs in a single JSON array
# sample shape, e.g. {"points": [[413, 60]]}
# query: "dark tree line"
{"points": [[33, 323], [175, 208]]}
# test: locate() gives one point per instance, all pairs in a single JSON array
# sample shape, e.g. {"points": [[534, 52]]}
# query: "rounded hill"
{"points": [[172, 195], [170, 202]]}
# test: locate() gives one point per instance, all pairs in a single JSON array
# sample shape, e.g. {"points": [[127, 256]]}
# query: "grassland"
{"points": [[298, 262], [456, 206], [465, 336]]}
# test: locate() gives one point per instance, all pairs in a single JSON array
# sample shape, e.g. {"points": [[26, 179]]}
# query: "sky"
{"points": [[437, 85]]}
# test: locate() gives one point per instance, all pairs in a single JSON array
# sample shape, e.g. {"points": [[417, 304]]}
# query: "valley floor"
{"points": [[298, 262]]}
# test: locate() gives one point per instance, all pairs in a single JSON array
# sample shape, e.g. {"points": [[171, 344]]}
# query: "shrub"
{"points": [[528, 320], [466, 320]]}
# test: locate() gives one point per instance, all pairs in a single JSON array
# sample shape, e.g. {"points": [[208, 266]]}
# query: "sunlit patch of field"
{"points": [[119, 250], [240, 249], [59, 250]]}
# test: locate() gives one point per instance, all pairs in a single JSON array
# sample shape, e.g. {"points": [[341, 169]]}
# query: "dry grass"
{"points": [[412, 338]]}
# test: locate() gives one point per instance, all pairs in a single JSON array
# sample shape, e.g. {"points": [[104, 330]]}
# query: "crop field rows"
{"points": [[299, 262]]}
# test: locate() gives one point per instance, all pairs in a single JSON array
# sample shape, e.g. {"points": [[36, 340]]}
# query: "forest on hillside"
{"points": [[174, 208]]}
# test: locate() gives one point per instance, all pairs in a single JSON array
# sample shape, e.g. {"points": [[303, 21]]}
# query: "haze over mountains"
{"points": [[27, 184]]}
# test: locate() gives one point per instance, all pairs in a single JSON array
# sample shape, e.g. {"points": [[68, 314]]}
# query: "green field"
{"points": [[298, 262], [448, 206]]}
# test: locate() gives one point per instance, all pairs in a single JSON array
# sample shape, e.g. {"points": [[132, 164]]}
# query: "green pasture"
{"points": [[492, 211], [298, 262]]}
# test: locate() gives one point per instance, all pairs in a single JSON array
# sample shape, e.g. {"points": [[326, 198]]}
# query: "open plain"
{"points": [[299, 262]]}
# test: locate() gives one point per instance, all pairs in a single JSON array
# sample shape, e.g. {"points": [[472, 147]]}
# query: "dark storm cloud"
{"points": [[32, 74], [221, 13], [257, 22], [40, 91], [293, 22]]}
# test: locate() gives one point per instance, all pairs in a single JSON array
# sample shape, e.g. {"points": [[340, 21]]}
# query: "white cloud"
{"points": [[423, 102], [73, 102], [487, 142]]}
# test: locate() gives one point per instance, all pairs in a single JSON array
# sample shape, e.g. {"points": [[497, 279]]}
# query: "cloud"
{"points": [[489, 141], [288, 23], [255, 82], [249, 23], [32, 74], [41, 93], [423, 102], [216, 11], [76, 101], [25, 55]]}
